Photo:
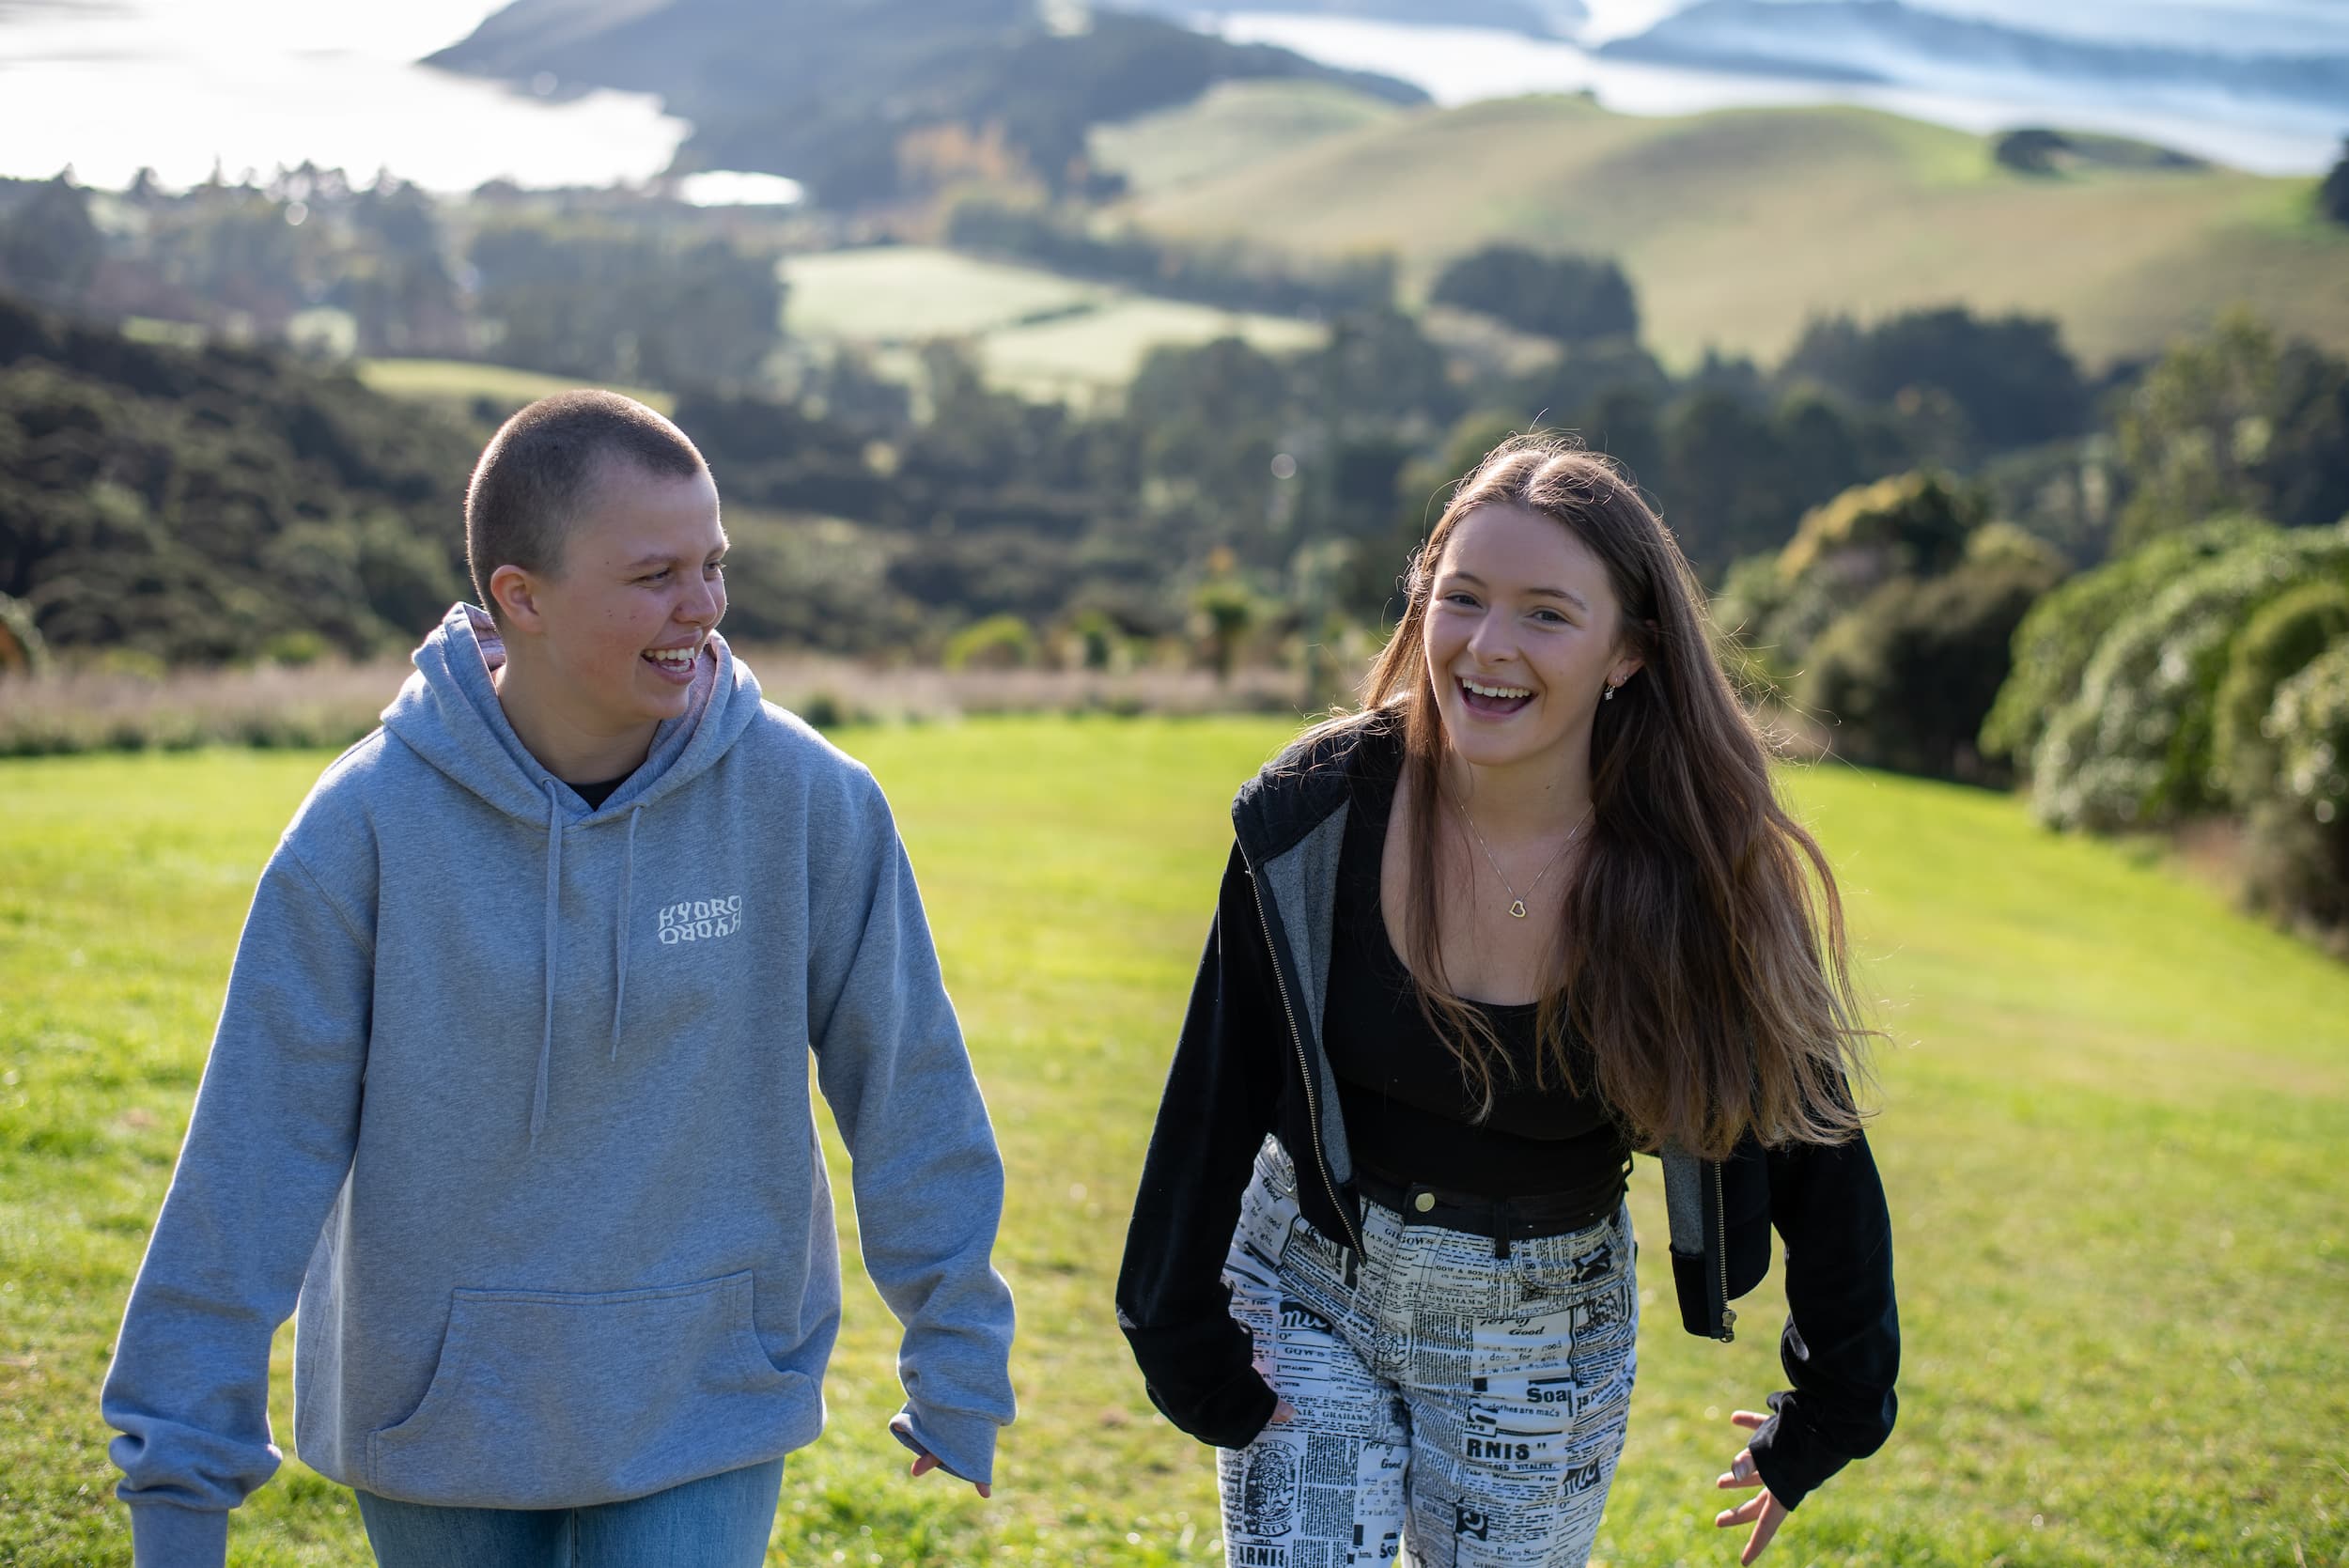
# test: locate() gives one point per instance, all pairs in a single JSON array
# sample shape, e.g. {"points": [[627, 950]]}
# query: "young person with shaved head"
{"points": [[510, 1093]]}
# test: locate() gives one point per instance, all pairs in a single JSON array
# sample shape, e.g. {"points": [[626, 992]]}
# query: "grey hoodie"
{"points": [[515, 1095]]}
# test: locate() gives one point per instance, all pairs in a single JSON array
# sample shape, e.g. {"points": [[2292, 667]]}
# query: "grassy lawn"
{"points": [[906, 293], [454, 380], [1097, 352], [1037, 332], [2114, 1114], [1738, 225], [1230, 126]]}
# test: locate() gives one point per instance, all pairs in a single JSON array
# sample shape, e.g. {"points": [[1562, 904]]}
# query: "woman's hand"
{"points": [[1764, 1513], [924, 1460], [1283, 1411]]}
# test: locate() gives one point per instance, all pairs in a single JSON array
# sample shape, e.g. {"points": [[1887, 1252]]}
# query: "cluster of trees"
{"points": [[1888, 619], [218, 504], [1232, 277], [589, 284], [861, 526], [596, 301], [1575, 299], [1876, 511], [247, 261], [2204, 673]]}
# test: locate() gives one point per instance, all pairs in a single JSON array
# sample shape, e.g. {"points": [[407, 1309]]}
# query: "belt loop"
{"points": [[1353, 1263], [1501, 1231]]}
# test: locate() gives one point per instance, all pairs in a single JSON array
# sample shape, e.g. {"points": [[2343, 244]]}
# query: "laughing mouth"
{"points": [[1485, 696], [676, 660]]}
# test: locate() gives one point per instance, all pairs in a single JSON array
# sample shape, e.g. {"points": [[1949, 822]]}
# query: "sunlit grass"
{"points": [[453, 381], [1037, 332], [2113, 1120]]}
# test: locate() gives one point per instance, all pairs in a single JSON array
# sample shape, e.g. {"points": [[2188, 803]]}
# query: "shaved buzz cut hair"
{"points": [[535, 472]]}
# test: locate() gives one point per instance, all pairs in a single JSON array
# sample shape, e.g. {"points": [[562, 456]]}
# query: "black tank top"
{"points": [[1409, 1116]]}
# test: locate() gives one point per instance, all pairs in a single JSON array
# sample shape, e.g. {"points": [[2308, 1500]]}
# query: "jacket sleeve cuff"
{"points": [[1232, 1416], [1791, 1459], [164, 1535], [962, 1442]]}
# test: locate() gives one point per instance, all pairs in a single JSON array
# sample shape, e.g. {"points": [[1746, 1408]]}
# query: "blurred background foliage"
{"points": [[1030, 381]]}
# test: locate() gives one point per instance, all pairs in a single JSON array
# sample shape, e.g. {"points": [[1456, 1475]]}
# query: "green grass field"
{"points": [[2113, 1135], [1036, 332], [1738, 224], [1230, 126], [454, 380]]}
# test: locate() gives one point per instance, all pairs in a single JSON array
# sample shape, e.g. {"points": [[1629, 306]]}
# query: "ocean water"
{"points": [[107, 87], [1458, 65]]}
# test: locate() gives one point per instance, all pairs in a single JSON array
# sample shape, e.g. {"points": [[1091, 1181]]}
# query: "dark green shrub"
{"points": [[1765, 624], [2300, 838], [1907, 678], [2133, 748], [2031, 149], [1913, 524], [2056, 640], [996, 643], [2332, 196], [1572, 298], [2010, 378], [2274, 645]]}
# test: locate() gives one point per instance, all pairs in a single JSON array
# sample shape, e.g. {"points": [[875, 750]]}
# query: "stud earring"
{"points": [[1611, 693]]}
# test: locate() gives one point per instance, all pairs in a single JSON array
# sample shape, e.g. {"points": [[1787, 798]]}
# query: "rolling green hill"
{"points": [[2112, 1120], [1738, 224], [1036, 332], [1229, 127], [461, 382]]}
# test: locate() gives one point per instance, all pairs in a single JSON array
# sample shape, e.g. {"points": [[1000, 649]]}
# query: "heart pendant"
{"points": [[1518, 908]]}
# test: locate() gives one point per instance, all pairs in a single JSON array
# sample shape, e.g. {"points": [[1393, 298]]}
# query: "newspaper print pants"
{"points": [[1463, 1410]]}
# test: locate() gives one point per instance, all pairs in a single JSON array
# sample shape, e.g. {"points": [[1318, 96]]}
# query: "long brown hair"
{"points": [[1702, 964]]}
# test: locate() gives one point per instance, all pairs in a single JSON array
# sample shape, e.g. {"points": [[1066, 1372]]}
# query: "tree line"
{"points": [[1894, 524]]}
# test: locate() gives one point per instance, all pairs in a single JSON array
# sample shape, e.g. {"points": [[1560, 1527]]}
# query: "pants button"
{"points": [[1424, 1202]]}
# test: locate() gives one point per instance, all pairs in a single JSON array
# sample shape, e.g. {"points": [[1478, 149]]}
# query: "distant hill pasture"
{"points": [[1738, 225], [461, 382], [1036, 332]]}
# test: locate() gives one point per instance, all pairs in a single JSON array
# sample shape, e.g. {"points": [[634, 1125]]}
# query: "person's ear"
{"points": [[1630, 662], [517, 594]]}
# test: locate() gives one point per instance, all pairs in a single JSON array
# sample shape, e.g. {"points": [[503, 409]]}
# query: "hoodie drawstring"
{"points": [[628, 872], [555, 901]]}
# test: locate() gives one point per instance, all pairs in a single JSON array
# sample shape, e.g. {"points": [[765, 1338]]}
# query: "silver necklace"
{"points": [[1516, 904]]}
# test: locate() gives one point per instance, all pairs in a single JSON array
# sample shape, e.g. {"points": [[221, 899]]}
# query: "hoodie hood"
{"points": [[448, 713]]}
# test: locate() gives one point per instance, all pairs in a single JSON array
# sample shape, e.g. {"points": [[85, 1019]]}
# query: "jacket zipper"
{"points": [[1720, 1241], [1304, 1068]]}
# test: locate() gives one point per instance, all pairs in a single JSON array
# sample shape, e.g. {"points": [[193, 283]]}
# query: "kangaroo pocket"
{"points": [[546, 1399]]}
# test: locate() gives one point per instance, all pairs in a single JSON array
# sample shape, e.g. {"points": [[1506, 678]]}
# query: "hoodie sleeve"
{"points": [[928, 1179], [268, 1147]]}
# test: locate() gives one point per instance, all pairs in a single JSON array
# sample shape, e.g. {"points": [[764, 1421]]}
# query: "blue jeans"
{"points": [[720, 1521]]}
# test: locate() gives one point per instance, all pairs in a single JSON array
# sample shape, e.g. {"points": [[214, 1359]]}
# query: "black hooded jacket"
{"points": [[1250, 1065]]}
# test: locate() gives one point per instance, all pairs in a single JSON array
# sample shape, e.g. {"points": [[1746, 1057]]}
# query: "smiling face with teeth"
{"points": [[1522, 637], [602, 648]]}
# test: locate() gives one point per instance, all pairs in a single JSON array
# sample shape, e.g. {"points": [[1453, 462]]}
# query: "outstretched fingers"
{"points": [[1762, 1511]]}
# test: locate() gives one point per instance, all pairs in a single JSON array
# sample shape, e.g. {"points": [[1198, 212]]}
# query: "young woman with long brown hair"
{"points": [[1535, 908]]}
